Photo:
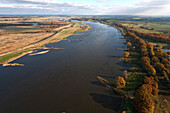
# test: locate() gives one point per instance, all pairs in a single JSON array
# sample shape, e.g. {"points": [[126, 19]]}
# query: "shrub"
{"points": [[126, 54], [119, 82]]}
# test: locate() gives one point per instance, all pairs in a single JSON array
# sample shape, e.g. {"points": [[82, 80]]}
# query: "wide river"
{"points": [[64, 80]]}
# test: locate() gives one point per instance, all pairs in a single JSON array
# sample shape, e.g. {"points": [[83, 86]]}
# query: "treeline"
{"points": [[148, 28], [51, 26], [153, 59], [157, 65], [151, 36], [16, 24]]}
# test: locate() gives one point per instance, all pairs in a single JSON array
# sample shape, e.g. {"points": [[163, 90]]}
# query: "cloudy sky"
{"points": [[86, 7]]}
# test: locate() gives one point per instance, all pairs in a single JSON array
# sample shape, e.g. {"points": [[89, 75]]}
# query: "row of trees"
{"points": [[152, 36], [154, 61]]}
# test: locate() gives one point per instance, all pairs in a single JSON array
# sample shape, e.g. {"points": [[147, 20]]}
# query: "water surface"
{"points": [[65, 80]]}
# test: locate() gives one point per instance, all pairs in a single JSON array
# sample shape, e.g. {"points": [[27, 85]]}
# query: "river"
{"points": [[64, 80]]}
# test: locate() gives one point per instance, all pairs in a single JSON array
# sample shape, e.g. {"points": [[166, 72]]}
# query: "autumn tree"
{"points": [[150, 50], [126, 54], [119, 82], [144, 99], [155, 60]]}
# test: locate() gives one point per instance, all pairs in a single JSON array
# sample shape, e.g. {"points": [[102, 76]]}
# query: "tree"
{"points": [[154, 60], [150, 69], [150, 50], [166, 63], [119, 82], [126, 54], [160, 67], [150, 80], [145, 62], [129, 44], [144, 99]]}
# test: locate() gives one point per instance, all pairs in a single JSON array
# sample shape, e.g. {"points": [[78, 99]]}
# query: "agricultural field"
{"points": [[150, 27], [21, 29]]}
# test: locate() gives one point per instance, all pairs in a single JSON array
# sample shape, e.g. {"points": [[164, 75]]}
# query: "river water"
{"points": [[64, 80]]}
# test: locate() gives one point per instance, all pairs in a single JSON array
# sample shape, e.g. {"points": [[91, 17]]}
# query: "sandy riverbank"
{"points": [[63, 33]]}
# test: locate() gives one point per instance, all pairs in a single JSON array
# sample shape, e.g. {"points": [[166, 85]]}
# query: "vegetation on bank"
{"points": [[6, 58], [149, 67], [61, 35]]}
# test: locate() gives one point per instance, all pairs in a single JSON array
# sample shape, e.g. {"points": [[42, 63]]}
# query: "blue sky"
{"points": [[86, 7]]}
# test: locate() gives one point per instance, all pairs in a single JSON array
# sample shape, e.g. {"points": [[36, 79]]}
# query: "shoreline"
{"points": [[76, 27], [136, 77]]}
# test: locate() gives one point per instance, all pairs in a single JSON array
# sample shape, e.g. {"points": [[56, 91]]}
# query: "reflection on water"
{"points": [[65, 79]]}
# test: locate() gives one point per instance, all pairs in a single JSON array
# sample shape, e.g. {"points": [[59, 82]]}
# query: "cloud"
{"points": [[102, 0], [144, 7]]}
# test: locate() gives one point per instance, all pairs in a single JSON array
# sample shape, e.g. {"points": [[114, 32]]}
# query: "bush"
{"points": [[126, 54], [119, 82]]}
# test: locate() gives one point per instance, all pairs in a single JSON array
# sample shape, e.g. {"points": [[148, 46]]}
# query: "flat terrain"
{"points": [[149, 27], [11, 42], [21, 29], [18, 38]]}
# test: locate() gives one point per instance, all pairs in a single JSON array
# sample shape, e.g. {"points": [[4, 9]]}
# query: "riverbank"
{"points": [[141, 71], [57, 36], [43, 79]]}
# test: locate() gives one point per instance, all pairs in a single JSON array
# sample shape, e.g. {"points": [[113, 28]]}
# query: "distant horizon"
{"points": [[80, 15], [79, 7]]}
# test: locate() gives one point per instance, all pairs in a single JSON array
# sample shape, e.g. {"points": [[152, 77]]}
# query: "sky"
{"points": [[86, 7]]}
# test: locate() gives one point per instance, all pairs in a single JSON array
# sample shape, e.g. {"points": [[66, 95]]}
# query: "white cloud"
{"points": [[144, 7], [102, 0]]}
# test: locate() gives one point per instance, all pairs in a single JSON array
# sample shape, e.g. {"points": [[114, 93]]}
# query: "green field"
{"points": [[9, 56], [158, 27]]}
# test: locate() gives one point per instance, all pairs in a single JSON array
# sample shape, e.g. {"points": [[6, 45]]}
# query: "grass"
{"points": [[128, 106], [43, 46], [158, 28], [134, 79], [75, 32], [9, 56]]}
